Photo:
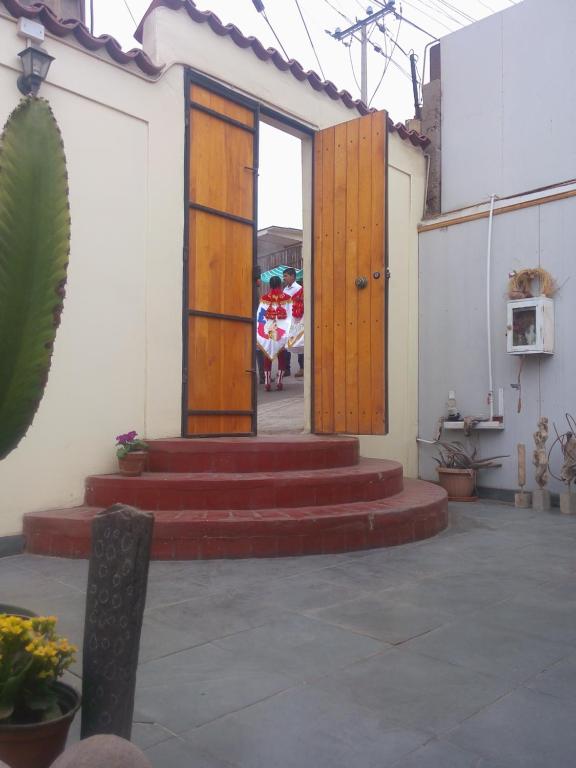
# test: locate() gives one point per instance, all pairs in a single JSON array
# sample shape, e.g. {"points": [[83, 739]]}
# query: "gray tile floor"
{"points": [[457, 652]]}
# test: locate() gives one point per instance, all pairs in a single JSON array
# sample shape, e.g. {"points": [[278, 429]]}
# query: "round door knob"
{"points": [[361, 282]]}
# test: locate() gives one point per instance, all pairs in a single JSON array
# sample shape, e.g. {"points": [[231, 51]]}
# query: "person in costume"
{"points": [[273, 321], [291, 287], [295, 343]]}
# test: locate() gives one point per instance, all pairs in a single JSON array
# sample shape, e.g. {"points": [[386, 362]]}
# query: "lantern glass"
{"points": [[35, 65]]}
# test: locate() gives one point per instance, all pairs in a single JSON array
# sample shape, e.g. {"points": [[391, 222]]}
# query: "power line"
{"points": [[455, 9], [309, 37], [259, 5], [389, 60], [338, 11], [352, 67], [130, 12], [419, 10]]}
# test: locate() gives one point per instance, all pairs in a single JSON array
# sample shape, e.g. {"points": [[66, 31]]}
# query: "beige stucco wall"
{"points": [[406, 189], [117, 358]]}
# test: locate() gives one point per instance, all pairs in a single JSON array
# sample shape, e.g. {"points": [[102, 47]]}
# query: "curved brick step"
{"points": [[368, 480], [418, 512], [259, 454]]}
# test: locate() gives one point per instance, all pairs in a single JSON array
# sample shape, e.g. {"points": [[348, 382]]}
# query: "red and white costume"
{"points": [[273, 321]]}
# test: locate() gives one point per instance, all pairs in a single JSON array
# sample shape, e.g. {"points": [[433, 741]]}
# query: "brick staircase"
{"points": [[254, 497]]}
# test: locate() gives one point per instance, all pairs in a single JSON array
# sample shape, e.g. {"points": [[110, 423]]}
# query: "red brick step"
{"points": [[264, 454], [368, 480], [418, 512]]}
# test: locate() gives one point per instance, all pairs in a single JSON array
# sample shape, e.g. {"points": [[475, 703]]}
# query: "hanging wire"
{"points": [[130, 12], [338, 11], [310, 38], [352, 66], [263, 13], [388, 61], [439, 3]]}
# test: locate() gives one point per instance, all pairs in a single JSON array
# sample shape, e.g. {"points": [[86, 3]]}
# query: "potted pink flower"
{"points": [[132, 454]]}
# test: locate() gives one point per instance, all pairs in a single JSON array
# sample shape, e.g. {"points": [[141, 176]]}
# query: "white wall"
{"points": [[453, 338], [507, 104], [117, 358], [405, 204]]}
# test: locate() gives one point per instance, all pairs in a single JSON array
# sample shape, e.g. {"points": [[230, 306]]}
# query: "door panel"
{"points": [[220, 264], [219, 396], [350, 243], [221, 170]]}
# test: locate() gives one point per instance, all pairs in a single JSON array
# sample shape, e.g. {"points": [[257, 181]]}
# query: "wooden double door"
{"points": [[346, 295]]}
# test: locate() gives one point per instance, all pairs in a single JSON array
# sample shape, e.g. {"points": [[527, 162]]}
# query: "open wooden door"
{"points": [[349, 355], [219, 388]]}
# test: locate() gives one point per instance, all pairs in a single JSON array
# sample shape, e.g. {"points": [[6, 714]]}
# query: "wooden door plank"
{"points": [[327, 279], [378, 287], [318, 198], [352, 191], [339, 282], [221, 166], [364, 261], [222, 105], [220, 280]]}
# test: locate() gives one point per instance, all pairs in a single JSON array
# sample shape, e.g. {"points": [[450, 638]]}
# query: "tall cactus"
{"points": [[34, 248]]}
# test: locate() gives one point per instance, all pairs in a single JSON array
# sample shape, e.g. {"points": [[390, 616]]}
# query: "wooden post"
{"points": [[117, 579], [522, 499]]}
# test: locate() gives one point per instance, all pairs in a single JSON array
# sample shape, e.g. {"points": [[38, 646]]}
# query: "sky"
{"points": [[389, 82]]}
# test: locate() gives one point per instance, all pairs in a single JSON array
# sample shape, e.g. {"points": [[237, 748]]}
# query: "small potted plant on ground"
{"points": [[36, 709], [457, 468], [132, 454]]}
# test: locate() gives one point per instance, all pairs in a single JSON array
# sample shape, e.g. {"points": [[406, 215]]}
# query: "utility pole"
{"points": [[361, 25], [417, 106]]}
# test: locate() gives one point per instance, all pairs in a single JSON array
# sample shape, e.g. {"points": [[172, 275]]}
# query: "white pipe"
{"points": [[488, 308]]}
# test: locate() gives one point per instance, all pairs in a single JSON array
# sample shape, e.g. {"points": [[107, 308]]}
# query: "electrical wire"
{"points": [[411, 23], [454, 9], [388, 61], [263, 13], [352, 66], [338, 11], [310, 38], [439, 12], [130, 12]]}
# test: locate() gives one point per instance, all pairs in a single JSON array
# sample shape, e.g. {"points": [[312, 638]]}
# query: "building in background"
{"points": [[501, 123]]}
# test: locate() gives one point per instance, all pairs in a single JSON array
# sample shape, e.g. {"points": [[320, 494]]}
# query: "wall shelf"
{"points": [[497, 425]]}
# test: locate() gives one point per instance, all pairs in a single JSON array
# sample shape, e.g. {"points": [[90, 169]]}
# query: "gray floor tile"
{"points": [[505, 654], [415, 691], [384, 616], [196, 686], [306, 728], [306, 592], [558, 680], [525, 729], [301, 647], [440, 754], [176, 753], [73, 573], [534, 614], [209, 616]]}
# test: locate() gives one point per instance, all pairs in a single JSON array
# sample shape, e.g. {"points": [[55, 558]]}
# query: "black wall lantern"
{"points": [[35, 65]]}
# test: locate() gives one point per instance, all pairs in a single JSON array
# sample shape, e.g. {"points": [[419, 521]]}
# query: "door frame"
{"points": [[192, 77]]}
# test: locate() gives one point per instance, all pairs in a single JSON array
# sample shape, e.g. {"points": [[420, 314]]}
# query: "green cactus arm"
{"points": [[34, 248]]}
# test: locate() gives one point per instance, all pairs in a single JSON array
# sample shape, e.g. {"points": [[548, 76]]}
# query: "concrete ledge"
{"points": [[11, 545]]}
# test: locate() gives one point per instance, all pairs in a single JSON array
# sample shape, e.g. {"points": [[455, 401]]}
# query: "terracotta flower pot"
{"points": [[459, 484], [37, 745], [133, 464]]}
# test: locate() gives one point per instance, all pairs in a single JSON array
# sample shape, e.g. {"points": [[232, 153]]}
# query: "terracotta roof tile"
{"points": [[271, 54], [66, 27]]}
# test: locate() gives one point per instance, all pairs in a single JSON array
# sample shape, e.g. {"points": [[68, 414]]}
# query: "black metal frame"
{"points": [[192, 77]]}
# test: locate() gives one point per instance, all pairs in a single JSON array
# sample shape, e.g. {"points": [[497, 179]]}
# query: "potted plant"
{"points": [[132, 454], [457, 468], [36, 709]]}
